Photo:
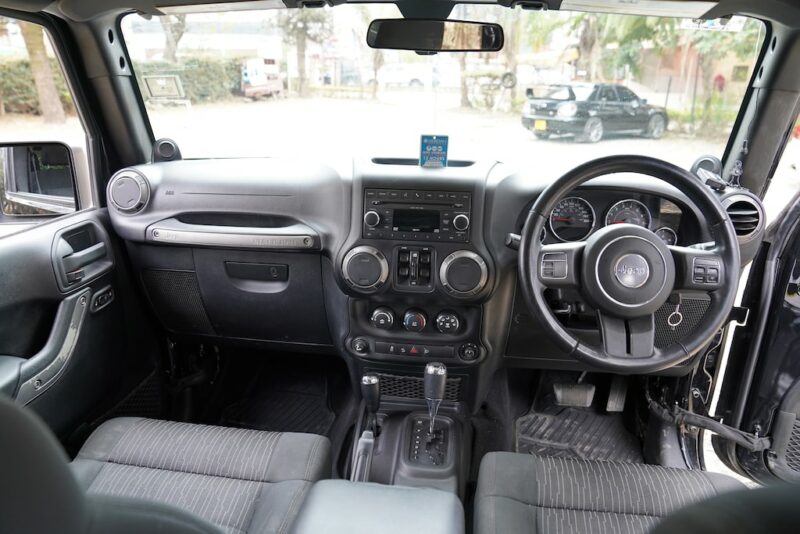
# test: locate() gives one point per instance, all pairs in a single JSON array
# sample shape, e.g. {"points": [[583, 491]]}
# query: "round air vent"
{"points": [[746, 214], [128, 191]]}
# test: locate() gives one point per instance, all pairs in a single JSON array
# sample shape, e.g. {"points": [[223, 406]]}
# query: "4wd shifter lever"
{"points": [[435, 381], [371, 393]]}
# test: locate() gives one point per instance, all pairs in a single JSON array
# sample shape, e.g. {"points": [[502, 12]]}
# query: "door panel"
{"points": [[73, 340], [761, 388]]}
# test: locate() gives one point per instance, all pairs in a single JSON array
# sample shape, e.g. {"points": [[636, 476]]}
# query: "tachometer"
{"points": [[629, 211], [572, 219]]}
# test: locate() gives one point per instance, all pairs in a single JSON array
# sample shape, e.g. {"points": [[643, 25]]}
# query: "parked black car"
{"points": [[590, 111]]}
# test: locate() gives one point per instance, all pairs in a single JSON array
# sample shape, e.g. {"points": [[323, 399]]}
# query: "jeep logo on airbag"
{"points": [[632, 271]]}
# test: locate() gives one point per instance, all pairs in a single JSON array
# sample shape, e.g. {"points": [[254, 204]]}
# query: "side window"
{"points": [[626, 95], [785, 184], [42, 140], [607, 94]]}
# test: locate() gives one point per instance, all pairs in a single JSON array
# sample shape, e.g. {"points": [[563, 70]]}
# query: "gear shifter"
{"points": [[371, 393], [435, 380]]}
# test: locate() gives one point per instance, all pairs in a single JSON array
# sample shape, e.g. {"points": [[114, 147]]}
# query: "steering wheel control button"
{"points": [[365, 268], [464, 274], [448, 323], [706, 272], [632, 271], [554, 266], [382, 318], [360, 346], [469, 352], [414, 321]]}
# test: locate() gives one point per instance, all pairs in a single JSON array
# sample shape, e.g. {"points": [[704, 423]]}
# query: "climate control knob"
{"points": [[382, 318], [414, 321], [365, 268], [448, 323], [372, 219], [461, 222], [464, 274]]}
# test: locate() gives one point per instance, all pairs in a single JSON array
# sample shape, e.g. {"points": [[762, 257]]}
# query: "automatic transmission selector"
{"points": [[435, 382]]}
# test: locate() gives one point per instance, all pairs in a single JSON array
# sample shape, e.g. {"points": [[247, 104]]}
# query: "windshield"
{"points": [[304, 83]]}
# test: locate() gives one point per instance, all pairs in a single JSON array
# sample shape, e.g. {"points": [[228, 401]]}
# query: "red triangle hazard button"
{"points": [[413, 350]]}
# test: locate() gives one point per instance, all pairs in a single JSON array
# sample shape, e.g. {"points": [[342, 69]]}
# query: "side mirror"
{"points": [[38, 179], [429, 35]]}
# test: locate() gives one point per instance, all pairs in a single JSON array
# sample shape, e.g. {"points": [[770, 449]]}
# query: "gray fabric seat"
{"points": [[540, 495], [241, 480]]}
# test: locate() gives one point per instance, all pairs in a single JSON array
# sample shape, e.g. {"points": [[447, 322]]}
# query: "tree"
{"points": [[174, 27], [49, 99], [300, 26]]}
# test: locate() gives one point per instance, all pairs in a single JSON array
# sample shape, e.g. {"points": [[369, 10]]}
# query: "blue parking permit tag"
{"points": [[433, 151]]}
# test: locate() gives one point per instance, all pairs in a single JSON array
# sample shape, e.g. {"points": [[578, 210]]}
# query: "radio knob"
{"points": [[372, 219], [382, 318], [461, 222], [365, 268]]}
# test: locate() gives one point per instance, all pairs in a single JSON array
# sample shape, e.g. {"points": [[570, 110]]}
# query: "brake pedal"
{"points": [[574, 395], [616, 394]]}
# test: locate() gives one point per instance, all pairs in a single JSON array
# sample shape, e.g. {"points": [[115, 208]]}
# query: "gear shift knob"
{"points": [[435, 381], [371, 392]]}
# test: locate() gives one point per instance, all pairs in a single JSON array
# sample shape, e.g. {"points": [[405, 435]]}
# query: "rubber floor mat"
{"points": [[299, 404], [573, 433]]}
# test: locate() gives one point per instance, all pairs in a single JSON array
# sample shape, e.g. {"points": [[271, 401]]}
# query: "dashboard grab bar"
{"points": [[294, 237]]}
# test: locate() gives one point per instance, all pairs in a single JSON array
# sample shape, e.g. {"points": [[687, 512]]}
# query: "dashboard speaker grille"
{"points": [[175, 296], [692, 309], [745, 216], [412, 387]]}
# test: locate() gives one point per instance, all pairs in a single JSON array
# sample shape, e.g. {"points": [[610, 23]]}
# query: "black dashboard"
{"points": [[381, 261]]}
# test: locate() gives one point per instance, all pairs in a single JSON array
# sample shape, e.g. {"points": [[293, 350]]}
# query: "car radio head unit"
{"points": [[417, 215]]}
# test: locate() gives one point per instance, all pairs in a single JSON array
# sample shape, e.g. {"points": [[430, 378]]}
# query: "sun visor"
{"points": [[657, 8]]}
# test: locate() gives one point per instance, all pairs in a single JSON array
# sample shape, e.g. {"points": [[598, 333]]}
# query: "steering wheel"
{"points": [[626, 273]]}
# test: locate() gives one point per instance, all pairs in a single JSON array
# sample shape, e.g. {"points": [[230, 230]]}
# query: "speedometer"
{"points": [[572, 219], [629, 211]]}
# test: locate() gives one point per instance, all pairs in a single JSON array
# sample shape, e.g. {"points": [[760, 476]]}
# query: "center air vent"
{"points": [[745, 215]]}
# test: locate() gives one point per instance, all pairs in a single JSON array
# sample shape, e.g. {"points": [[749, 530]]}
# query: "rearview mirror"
{"points": [[428, 35], [38, 179]]}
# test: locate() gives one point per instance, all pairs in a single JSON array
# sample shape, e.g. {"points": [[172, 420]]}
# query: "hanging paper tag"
{"points": [[433, 151]]}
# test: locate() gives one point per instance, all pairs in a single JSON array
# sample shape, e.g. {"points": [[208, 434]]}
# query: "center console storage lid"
{"points": [[341, 506]]}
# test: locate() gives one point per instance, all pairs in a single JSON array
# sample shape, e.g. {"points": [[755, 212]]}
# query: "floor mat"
{"points": [[574, 433], [295, 403]]}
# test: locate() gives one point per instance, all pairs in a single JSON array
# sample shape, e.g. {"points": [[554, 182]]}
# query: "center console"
{"points": [[417, 271]]}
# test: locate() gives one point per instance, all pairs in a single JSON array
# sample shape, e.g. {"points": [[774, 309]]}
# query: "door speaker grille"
{"points": [[793, 448]]}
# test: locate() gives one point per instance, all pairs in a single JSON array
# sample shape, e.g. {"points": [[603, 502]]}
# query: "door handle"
{"points": [[82, 258]]}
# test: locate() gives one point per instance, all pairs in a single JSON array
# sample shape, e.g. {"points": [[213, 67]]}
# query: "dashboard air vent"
{"points": [[745, 216]]}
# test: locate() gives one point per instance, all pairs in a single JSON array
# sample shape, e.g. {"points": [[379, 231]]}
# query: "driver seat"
{"points": [[528, 494]]}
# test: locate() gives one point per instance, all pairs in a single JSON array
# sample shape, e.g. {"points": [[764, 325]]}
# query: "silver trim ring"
{"points": [[670, 230], [456, 256], [372, 251], [600, 284], [144, 191]]}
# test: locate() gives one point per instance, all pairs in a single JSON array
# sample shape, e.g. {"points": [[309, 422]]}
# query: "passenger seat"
{"points": [[241, 480]]}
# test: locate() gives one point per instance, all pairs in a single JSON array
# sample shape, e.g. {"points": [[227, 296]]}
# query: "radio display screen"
{"points": [[416, 220]]}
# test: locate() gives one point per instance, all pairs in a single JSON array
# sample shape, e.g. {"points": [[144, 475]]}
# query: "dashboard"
{"points": [[379, 261]]}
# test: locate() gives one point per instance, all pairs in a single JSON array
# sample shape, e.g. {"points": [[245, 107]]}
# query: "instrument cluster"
{"points": [[575, 217]]}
